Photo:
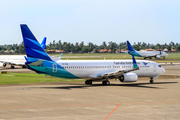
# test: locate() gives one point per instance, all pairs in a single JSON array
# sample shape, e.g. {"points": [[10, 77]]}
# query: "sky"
{"points": [[150, 21]]}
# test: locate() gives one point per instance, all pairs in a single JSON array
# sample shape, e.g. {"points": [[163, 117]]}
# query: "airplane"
{"points": [[92, 70], [146, 54], [17, 60]]}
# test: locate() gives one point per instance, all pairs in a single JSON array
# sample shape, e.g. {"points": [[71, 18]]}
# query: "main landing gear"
{"points": [[105, 82], [151, 80], [12, 67], [88, 82]]}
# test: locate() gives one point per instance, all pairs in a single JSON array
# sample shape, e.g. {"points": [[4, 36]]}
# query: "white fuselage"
{"points": [[93, 68], [12, 58], [152, 53]]}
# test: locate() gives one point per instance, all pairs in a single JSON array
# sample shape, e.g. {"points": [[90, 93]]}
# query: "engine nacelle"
{"points": [[158, 56], [128, 77]]}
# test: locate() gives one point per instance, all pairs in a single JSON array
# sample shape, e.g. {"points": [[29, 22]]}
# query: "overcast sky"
{"points": [[150, 21]]}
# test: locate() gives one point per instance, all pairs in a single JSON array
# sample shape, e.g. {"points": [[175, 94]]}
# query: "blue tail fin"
{"points": [[43, 44], [130, 48], [32, 46], [135, 66]]}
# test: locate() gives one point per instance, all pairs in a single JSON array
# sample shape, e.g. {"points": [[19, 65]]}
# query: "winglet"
{"points": [[125, 52], [130, 48], [60, 56], [43, 44], [135, 66]]}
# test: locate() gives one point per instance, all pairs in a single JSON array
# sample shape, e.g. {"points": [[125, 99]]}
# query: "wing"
{"points": [[116, 74]]}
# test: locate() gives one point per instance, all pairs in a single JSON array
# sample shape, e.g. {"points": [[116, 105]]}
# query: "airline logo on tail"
{"points": [[131, 51], [32, 46], [38, 60]]}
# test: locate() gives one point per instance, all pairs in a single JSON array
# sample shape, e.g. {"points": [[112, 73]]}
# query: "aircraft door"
{"points": [[54, 68]]}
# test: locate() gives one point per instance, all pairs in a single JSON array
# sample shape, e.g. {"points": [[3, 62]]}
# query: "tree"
{"points": [[91, 46], [82, 44], [177, 47], [59, 45], [85, 49], [104, 44], [136, 47], [113, 46], [169, 48]]}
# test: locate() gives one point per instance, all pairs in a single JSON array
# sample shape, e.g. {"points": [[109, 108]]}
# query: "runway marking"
{"points": [[95, 104], [112, 112]]}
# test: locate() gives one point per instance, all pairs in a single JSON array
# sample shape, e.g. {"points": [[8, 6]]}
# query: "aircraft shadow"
{"points": [[139, 85]]}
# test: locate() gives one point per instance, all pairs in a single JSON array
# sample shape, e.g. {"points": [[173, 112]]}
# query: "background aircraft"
{"points": [[93, 70], [146, 54], [17, 60]]}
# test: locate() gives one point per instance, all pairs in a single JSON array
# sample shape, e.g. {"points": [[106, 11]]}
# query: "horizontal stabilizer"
{"points": [[38, 63]]}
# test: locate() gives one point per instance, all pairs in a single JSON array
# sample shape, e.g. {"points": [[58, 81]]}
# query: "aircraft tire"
{"points": [[105, 82], [4, 64], [24, 66], [151, 81], [88, 82], [12, 67]]}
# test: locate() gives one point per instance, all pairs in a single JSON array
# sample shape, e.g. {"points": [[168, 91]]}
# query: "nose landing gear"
{"points": [[151, 80]]}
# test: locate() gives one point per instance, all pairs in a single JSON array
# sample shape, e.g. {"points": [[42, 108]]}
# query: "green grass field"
{"points": [[27, 78], [111, 56]]}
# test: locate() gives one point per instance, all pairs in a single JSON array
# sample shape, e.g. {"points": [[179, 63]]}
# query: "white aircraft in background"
{"points": [[146, 54], [93, 70], [17, 60]]}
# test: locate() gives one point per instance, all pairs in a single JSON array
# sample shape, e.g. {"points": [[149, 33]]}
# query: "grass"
{"points": [[27, 78], [173, 57]]}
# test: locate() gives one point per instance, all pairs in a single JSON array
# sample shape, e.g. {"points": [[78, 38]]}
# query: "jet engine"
{"points": [[158, 56], [128, 77]]}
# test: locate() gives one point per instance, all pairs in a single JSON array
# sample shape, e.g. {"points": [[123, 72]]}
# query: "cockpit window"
{"points": [[159, 65]]}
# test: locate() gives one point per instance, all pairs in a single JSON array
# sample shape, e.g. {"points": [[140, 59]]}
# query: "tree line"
{"points": [[82, 48]]}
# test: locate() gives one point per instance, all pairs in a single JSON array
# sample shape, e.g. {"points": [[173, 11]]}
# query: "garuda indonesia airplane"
{"points": [[92, 70], [145, 54]]}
